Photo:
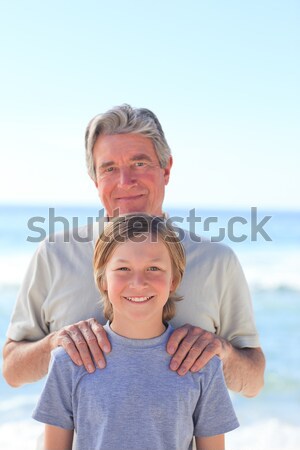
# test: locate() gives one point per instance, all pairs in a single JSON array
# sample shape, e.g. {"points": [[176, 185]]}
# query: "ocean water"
{"points": [[271, 421]]}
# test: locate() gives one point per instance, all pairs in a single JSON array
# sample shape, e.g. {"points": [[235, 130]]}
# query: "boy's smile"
{"points": [[138, 280], [139, 299]]}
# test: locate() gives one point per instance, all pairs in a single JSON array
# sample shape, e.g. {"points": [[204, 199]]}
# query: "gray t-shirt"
{"points": [[136, 402], [59, 290]]}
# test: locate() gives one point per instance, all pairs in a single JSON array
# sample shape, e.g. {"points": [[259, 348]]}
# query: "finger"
{"points": [[209, 352], [81, 345], [101, 335], [68, 345], [183, 350], [176, 337], [189, 361], [92, 345]]}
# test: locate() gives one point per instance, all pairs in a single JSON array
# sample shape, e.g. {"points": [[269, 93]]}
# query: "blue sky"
{"points": [[222, 76]]}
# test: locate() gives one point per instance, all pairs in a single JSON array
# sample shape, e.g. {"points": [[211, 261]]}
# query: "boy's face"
{"points": [[138, 280]]}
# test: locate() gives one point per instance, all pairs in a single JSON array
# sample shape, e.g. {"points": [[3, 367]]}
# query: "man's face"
{"points": [[129, 178]]}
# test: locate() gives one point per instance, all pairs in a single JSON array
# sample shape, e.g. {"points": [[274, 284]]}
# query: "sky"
{"points": [[222, 77]]}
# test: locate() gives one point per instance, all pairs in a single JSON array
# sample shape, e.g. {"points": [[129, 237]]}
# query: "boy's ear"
{"points": [[174, 285], [103, 283]]}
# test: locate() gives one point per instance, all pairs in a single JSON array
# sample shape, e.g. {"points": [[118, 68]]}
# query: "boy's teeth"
{"points": [[138, 299]]}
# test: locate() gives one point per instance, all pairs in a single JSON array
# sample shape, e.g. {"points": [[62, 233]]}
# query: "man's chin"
{"points": [[124, 211], [127, 208]]}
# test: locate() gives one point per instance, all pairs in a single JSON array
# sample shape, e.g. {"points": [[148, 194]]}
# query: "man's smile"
{"points": [[129, 197]]}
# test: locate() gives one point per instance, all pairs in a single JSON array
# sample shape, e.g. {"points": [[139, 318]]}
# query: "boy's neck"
{"points": [[136, 329]]}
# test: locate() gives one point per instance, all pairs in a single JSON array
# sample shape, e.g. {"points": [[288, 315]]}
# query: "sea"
{"points": [[267, 243]]}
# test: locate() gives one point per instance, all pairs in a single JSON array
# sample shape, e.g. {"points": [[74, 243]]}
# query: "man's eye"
{"points": [[106, 171], [109, 169], [139, 164]]}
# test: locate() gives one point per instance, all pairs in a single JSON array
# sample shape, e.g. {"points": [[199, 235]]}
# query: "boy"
{"points": [[138, 265]]}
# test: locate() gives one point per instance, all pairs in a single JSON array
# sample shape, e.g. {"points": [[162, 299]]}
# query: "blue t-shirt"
{"points": [[136, 402]]}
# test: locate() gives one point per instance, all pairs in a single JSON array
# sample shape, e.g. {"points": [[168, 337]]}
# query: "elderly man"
{"points": [[130, 162]]}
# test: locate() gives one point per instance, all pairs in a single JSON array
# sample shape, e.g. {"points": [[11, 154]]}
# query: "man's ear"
{"points": [[94, 181], [167, 170]]}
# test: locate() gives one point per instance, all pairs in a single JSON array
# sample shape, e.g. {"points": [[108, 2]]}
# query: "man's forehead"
{"points": [[123, 139], [124, 149]]}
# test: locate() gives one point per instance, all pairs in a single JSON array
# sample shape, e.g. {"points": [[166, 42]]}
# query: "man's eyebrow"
{"points": [[106, 164], [140, 156], [136, 157]]}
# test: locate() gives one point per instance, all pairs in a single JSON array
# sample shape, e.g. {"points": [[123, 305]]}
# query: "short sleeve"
{"points": [[214, 413], [55, 403], [237, 322], [27, 321]]}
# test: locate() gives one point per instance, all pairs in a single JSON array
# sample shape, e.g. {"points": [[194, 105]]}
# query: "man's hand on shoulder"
{"points": [[192, 348], [85, 342]]}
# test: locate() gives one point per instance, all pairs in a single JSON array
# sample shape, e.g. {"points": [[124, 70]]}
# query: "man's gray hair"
{"points": [[126, 119]]}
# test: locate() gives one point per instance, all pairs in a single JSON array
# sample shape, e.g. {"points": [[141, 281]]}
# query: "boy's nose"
{"points": [[138, 281]]}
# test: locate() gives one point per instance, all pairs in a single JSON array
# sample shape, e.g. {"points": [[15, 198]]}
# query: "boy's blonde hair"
{"points": [[137, 228]]}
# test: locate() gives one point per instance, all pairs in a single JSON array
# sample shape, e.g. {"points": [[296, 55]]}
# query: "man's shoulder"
{"points": [[79, 240], [84, 234], [199, 246]]}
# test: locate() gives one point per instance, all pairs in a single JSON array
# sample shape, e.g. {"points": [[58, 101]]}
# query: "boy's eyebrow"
{"points": [[122, 260], [155, 259]]}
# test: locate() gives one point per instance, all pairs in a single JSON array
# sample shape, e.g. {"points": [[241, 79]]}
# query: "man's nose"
{"points": [[126, 177]]}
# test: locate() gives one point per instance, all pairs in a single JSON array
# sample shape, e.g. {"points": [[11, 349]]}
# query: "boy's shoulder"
{"points": [[210, 370], [214, 363], [59, 353], [62, 368], [60, 357]]}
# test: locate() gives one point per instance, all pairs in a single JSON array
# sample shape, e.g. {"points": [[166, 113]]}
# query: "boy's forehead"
{"points": [[143, 245]]}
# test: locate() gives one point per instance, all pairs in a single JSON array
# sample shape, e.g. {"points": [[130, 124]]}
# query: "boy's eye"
{"points": [[123, 269], [153, 269]]}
